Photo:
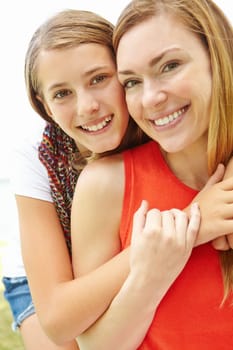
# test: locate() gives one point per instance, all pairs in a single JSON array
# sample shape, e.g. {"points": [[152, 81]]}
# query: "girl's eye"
{"points": [[61, 94], [170, 66], [98, 79]]}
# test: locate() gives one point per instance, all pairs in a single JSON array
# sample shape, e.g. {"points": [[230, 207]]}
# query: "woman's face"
{"points": [[81, 92], [166, 73]]}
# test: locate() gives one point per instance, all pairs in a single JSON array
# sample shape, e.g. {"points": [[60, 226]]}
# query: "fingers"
{"points": [[229, 239], [215, 177], [195, 217], [222, 175], [153, 222], [221, 243], [180, 222], [227, 184], [139, 220], [187, 228], [229, 169]]}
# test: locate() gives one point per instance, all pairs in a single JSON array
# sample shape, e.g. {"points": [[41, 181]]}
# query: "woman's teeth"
{"points": [[98, 126], [168, 119]]}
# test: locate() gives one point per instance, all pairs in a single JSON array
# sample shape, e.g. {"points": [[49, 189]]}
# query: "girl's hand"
{"points": [[216, 205]]}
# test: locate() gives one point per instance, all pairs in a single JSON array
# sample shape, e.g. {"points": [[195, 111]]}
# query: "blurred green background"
{"points": [[9, 340]]}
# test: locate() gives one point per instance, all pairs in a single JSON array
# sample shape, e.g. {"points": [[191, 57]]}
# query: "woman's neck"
{"points": [[190, 165]]}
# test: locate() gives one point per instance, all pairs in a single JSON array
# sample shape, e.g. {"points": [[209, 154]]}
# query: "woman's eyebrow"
{"points": [[153, 61]]}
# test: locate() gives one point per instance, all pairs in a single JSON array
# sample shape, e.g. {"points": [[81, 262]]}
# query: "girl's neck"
{"points": [[80, 147]]}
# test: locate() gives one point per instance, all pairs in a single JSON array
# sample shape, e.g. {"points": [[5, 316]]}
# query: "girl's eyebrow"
{"points": [[85, 74], [55, 86], [153, 61], [95, 69]]}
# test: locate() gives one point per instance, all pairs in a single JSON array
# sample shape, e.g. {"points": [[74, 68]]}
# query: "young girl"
{"points": [[70, 75]]}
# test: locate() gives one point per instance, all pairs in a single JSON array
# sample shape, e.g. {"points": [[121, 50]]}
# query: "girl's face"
{"points": [[166, 73], [81, 92]]}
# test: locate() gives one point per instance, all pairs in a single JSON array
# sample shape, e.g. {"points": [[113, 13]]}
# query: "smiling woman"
{"points": [[176, 92], [19, 118], [13, 57], [159, 71]]}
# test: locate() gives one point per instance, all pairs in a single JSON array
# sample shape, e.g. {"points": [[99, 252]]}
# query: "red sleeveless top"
{"points": [[189, 316]]}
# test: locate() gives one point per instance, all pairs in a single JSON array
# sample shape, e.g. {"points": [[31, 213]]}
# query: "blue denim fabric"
{"points": [[18, 295]]}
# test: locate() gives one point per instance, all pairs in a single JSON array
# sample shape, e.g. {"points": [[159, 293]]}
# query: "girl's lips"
{"points": [[97, 126]]}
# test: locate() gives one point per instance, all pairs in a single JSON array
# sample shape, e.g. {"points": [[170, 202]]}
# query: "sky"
{"points": [[18, 21]]}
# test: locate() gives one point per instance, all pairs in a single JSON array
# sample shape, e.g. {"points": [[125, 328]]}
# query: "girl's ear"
{"points": [[46, 107]]}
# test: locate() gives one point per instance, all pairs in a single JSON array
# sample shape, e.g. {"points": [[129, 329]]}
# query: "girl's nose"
{"points": [[87, 104]]}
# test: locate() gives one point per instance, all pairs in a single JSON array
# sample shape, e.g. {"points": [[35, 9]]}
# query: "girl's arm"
{"points": [[96, 216], [65, 307], [225, 242], [160, 239], [216, 204], [157, 241]]}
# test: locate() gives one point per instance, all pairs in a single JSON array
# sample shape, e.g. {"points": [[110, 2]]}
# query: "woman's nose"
{"points": [[153, 94]]}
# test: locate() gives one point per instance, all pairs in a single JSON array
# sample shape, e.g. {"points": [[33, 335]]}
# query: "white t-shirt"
{"points": [[28, 178]]}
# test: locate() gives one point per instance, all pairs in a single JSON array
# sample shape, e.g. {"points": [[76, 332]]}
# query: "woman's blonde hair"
{"points": [[206, 20]]}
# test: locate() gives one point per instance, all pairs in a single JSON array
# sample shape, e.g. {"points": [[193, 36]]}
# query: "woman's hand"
{"points": [[161, 245]]}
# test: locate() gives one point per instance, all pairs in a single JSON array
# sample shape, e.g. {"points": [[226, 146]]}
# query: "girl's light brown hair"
{"points": [[207, 21], [66, 29], [69, 29]]}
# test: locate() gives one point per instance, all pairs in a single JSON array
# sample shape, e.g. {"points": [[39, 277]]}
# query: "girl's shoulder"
{"points": [[103, 171]]}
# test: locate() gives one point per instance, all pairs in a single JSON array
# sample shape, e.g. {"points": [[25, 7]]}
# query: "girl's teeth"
{"points": [[98, 126], [168, 119]]}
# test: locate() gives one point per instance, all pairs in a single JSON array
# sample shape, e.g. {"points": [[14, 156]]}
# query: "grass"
{"points": [[9, 340]]}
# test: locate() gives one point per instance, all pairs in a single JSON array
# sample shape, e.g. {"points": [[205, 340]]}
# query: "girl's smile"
{"points": [[83, 96]]}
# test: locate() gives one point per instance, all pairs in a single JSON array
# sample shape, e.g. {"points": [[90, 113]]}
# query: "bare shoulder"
{"points": [[100, 184], [104, 172], [97, 207]]}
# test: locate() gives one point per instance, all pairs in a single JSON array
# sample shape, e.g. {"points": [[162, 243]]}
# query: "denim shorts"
{"points": [[18, 295]]}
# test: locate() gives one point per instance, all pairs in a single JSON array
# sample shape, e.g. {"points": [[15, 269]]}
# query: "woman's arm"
{"points": [[96, 216], [45, 255], [94, 222]]}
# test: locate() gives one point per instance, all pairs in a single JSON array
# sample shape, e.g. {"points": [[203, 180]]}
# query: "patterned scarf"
{"points": [[56, 152]]}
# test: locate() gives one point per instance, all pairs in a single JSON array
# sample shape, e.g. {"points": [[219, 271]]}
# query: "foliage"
{"points": [[9, 340]]}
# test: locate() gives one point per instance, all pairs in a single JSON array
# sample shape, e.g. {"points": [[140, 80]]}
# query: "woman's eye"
{"points": [[130, 84], [170, 66], [61, 94], [98, 79]]}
